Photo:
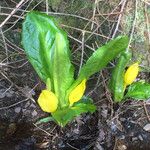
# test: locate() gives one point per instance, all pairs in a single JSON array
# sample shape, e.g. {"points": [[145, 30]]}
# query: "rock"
{"points": [[34, 113], [17, 109], [147, 127], [140, 137]]}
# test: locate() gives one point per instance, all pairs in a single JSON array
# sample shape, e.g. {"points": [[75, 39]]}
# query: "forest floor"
{"points": [[89, 24]]}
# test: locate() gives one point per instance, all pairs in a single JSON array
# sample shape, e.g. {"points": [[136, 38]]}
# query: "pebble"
{"points": [[2, 95], [18, 109], [140, 137], [34, 113], [32, 105], [134, 139], [147, 127], [27, 104]]}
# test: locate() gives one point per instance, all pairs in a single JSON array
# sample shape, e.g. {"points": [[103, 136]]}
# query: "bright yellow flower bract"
{"points": [[77, 93], [131, 74], [48, 101]]}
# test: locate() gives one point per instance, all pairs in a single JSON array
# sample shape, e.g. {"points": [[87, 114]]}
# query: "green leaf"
{"points": [[139, 91], [62, 69], [100, 58], [116, 84], [66, 115], [48, 51], [45, 120]]}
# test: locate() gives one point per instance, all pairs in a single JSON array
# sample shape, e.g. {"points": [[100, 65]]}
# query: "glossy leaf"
{"points": [[139, 91], [62, 69], [116, 84], [101, 57], [48, 51], [38, 38], [66, 115]]}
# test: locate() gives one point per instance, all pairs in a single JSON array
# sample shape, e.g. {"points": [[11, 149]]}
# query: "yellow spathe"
{"points": [[77, 93], [131, 74], [48, 101]]}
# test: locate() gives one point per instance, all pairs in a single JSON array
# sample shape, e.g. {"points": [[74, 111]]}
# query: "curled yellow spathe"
{"points": [[131, 74], [48, 101], [77, 93]]}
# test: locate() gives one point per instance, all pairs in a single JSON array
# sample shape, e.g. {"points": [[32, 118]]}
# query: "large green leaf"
{"points": [[48, 51], [139, 91], [100, 58], [66, 115]]}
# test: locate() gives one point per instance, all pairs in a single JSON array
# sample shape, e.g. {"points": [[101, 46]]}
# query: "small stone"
{"points": [[134, 139], [104, 113], [32, 105], [34, 113], [27, 104], [2, 93], [18, 109], [147, 127], [23, 110], [8, 94], [76, 131], [140, 137]]}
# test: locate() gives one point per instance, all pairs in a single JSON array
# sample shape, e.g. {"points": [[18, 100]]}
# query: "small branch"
{"points": [[47, 7], [119, 18], [14, 10], [82, 53], [5, 45], [147, 23], [94, 11], [133, 25]]}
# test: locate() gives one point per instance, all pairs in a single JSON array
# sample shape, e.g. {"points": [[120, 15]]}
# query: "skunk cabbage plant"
{"points": [[47, 48]]}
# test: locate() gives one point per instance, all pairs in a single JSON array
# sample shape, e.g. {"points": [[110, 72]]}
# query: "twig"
{"points": [[42, 130], [10, 106], [80, 42], [5, 14], [148, 3], [82, 53], [133, 25], [119, 18], [71, 15], [93, 14], [146, 112], [108, 95], [47, 7], [78, 29], [72, 147], [147, 24], [5, 45], [20, 17], [14, 10]]}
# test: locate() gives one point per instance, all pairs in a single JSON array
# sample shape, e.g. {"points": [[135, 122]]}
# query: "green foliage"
{"points": [[44, 120], [139, 91], [48, 51], [121, 79], [101, 57], [47, 48], [117, 77], [65, 115]]}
